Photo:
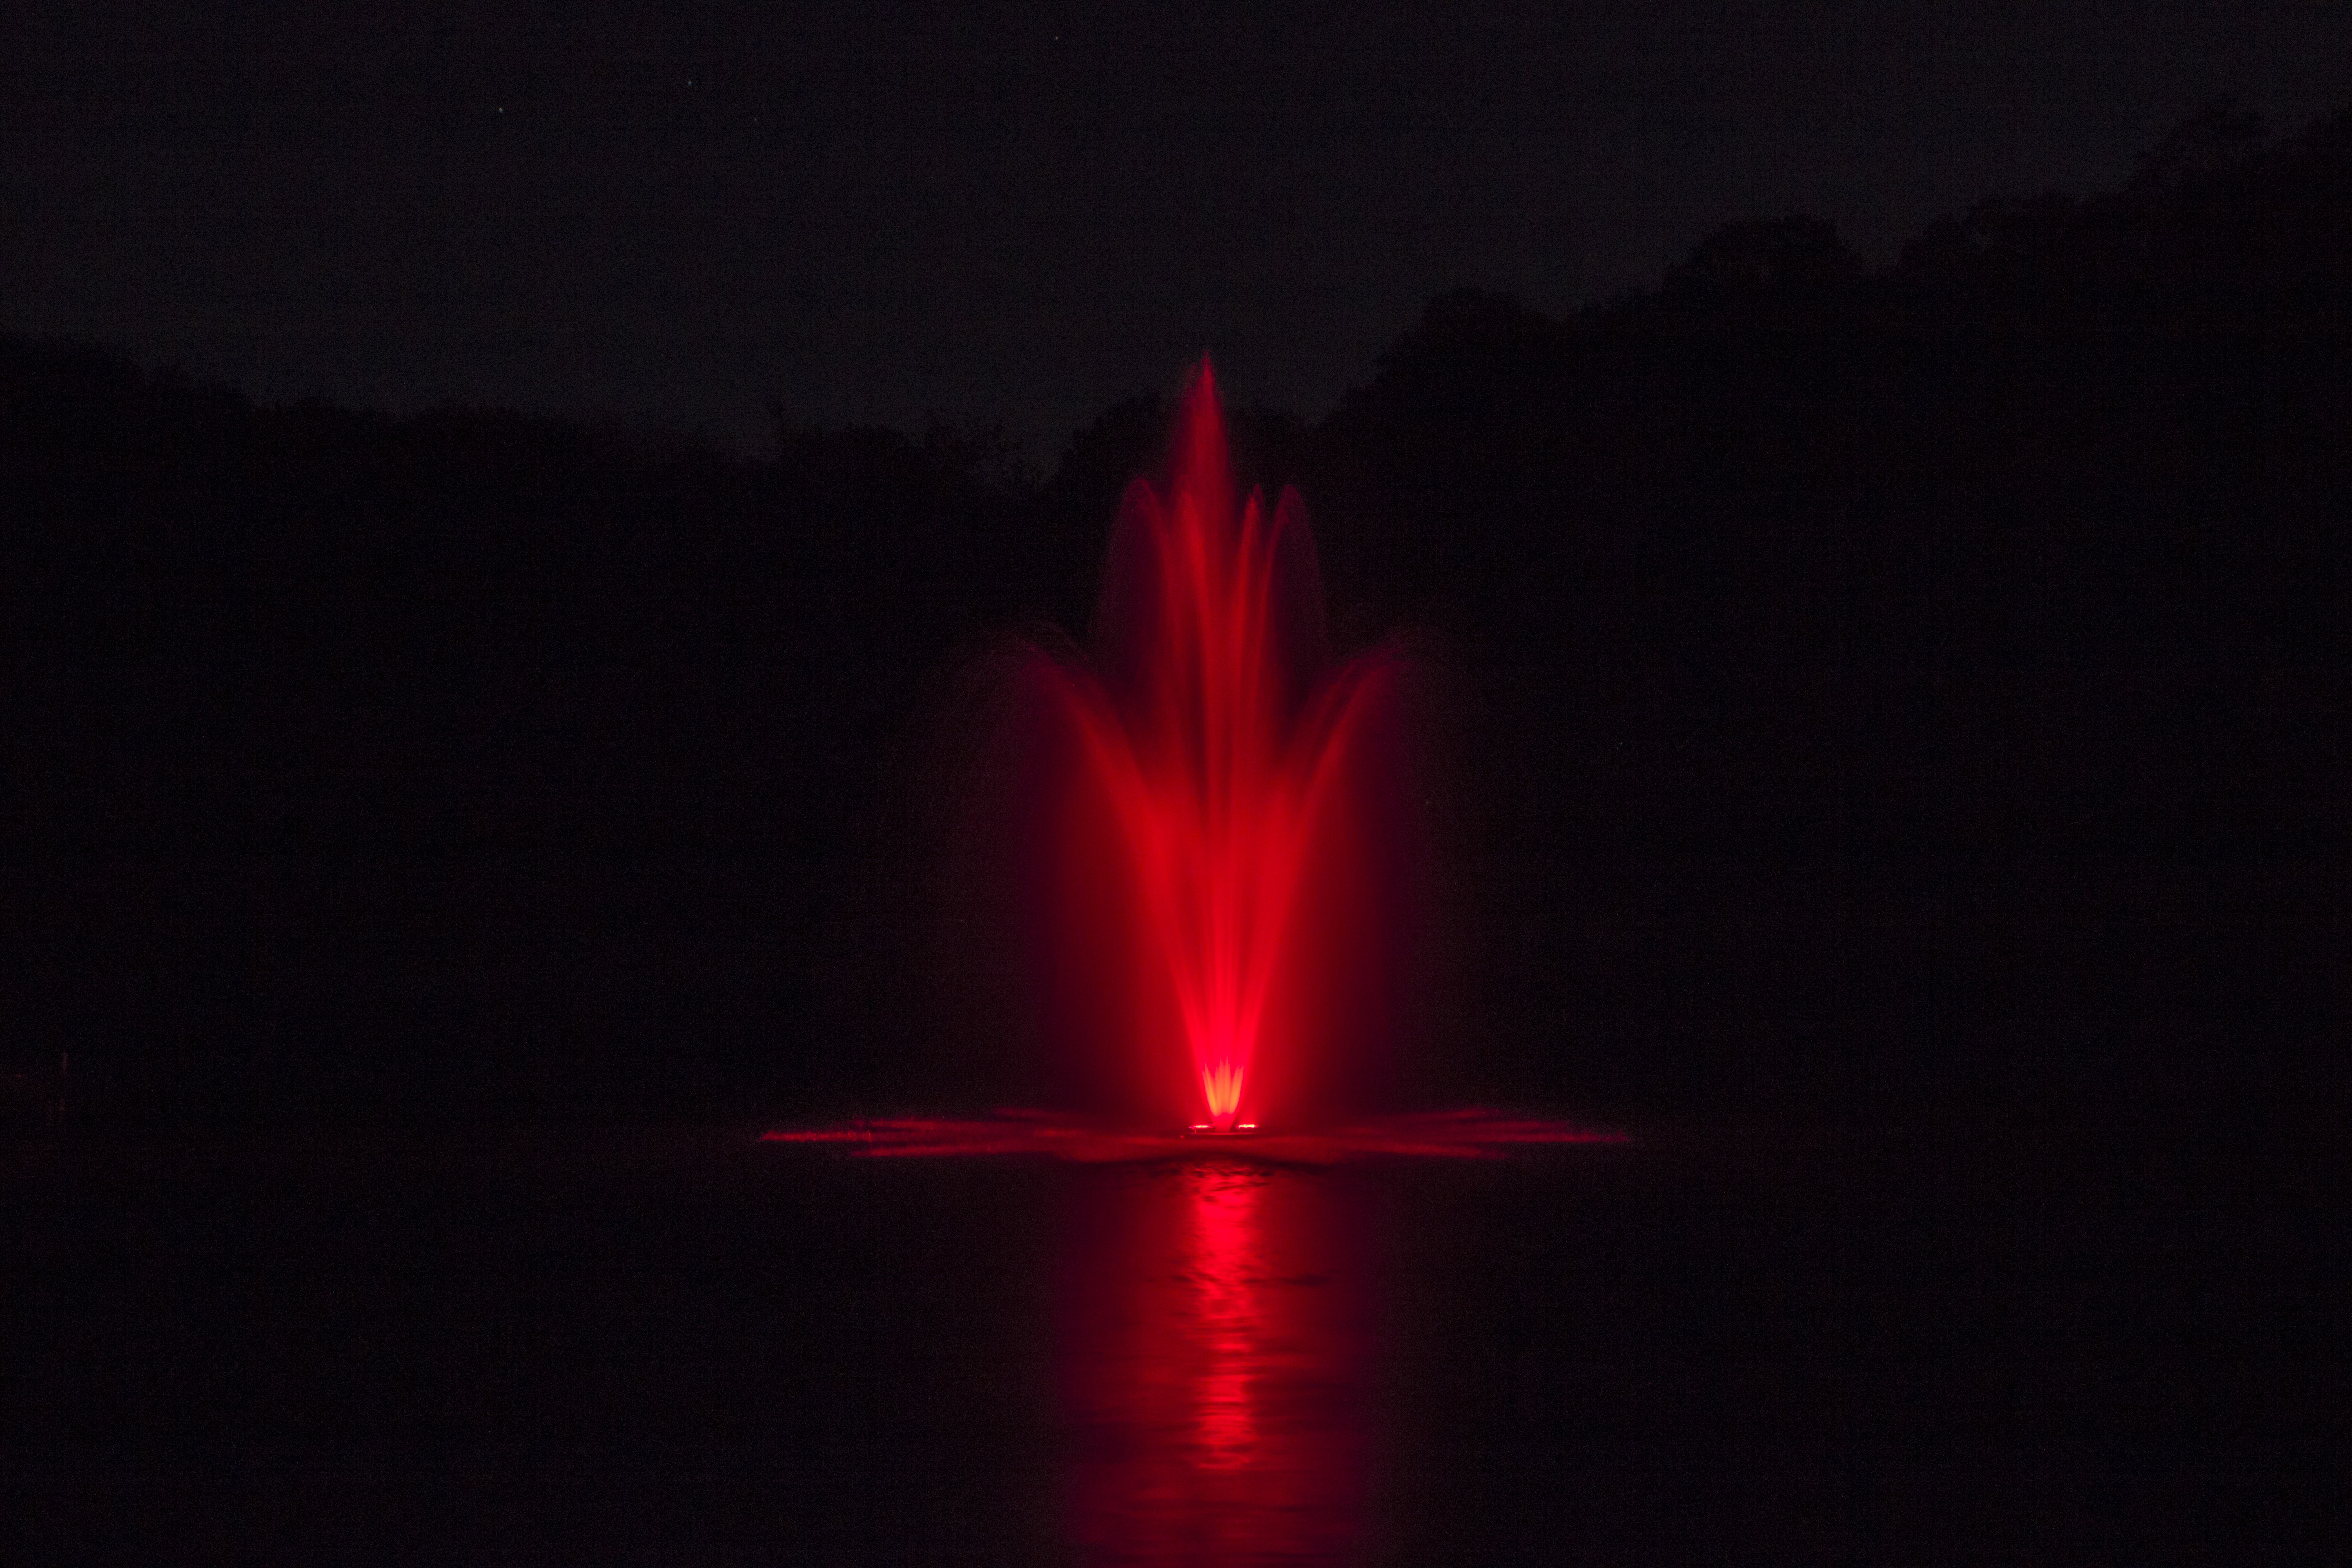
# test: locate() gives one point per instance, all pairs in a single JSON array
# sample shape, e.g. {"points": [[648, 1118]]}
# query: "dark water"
{"points": [[690, 1348]]}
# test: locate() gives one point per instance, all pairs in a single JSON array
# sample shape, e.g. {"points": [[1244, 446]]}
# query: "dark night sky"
{"points": [[667, 214]]}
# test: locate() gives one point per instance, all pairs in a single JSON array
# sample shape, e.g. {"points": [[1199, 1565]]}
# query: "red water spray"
{"points": [[1214, 733]]}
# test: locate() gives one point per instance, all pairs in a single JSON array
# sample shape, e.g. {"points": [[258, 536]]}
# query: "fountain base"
{"points": [[1465, 1134]]}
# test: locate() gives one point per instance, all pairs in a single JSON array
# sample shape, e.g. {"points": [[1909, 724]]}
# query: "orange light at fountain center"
{"points": [[1221, 747], [1222, 1085]]}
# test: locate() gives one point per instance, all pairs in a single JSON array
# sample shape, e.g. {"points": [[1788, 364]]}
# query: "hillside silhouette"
{"points": [[1911, 693]]}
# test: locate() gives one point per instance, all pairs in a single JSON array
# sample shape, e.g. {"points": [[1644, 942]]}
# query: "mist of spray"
{"points": [[1217, 868]]}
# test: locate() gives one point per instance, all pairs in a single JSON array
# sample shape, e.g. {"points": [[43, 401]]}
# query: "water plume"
{"points": [[1217, 871]]}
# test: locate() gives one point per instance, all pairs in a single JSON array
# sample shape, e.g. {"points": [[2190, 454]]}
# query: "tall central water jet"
{"points": [[1220, 746]]}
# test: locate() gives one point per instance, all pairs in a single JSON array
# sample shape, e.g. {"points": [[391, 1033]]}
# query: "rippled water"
{"points": [[699, 1348]]}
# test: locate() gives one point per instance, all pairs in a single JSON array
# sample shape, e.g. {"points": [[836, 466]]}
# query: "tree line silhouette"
{"points": [[1910, 693]]}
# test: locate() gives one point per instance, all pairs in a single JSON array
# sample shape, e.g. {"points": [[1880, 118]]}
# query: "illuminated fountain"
{"points": [[1201, 816], [1209, 799], [1210, 791]]}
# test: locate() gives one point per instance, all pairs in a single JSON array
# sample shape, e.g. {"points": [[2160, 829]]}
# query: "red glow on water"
{"points": [[1217, 1317], [1224, 1231], [1464, 1135], [1211, 757], [1216, 1327]]}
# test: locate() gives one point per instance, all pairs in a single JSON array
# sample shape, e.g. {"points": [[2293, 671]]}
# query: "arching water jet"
{"points": [[1213, 792]]}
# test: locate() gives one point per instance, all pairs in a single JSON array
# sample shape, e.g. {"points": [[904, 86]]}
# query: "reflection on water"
{"points": [[1224, 1224], [1215, 1352]]}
